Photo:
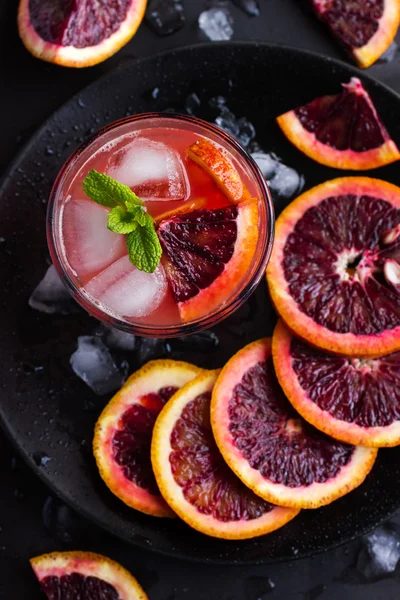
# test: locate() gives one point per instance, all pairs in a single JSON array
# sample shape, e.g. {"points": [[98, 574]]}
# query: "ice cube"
{"points": [[204, 341], [165, 16], [283, 181], [383, 546], [251, 7], [90, 246], [51, 296], [228, 124], [240, 128], [127, 292], [216, 24], [117, 339], [152, 169], [378, 556], [93, 363], [247, 132], [267, 163], [151, 348], [286, 182]]}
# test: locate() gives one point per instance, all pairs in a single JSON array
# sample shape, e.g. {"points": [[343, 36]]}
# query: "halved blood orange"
{"points": [[193, 477], [343, 131], [214, 160], [355, 400], [207, 253], [78, 33], [366, 28], [123, 433], [68, 575], [327, 275], [270, 447]]}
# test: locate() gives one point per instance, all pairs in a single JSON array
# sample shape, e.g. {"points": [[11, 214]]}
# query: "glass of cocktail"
{"points": [[210, 209]]}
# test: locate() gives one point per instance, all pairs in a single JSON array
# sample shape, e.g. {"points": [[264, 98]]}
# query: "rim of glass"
{"points": [[180, 329]]}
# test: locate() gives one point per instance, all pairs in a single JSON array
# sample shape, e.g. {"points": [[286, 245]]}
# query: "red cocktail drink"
{"points": [[211, 211]]}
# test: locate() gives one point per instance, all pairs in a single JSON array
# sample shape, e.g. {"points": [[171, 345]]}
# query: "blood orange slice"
{"points": [[123, 434], [193, 477], [206, 255], [343, 131], [68, 575], [78, 33], [328, 274], [270, 447], [214, 160], [365, 28], [355, 400]]}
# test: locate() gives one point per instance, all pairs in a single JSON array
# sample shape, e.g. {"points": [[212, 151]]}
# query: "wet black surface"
{"points": [[44, 525]]}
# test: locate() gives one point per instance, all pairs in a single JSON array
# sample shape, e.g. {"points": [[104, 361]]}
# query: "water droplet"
{"points": [[49, 151], [41, 459], [29, 368]]}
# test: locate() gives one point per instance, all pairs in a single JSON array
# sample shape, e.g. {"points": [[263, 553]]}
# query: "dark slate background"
{"points": [[31, 520]]}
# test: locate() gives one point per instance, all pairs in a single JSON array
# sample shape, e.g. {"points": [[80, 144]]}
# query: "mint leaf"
{"points": [[121, 221], [124, 219], [137, 212], [144, 247], [106, 191]]}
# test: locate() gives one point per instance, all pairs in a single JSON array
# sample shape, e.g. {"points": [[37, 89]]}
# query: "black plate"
{"points": [[49, 410]]}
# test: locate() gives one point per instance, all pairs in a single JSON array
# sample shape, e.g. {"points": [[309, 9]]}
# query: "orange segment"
{"points": [[343, 131], [207, 254], [365, 29], [270, 447], [193, 477], [123, 433], [326, 273], [77, 34], [84, 573], [182, 210], [214, 160]]}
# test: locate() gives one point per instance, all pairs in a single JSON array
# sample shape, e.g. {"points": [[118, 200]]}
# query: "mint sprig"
{"points": [[128, 216], [124, 219]]}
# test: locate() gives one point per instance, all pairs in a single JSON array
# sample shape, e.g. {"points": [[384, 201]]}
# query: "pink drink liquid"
{"points": [[153, 162]]}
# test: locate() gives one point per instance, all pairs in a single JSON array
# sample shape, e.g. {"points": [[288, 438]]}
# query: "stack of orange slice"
{"points": [[227, 453]]}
